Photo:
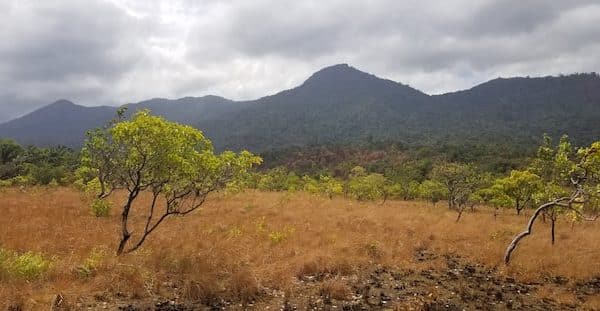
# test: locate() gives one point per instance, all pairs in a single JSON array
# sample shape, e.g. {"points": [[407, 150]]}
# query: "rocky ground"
{"points": [[459, 286]]}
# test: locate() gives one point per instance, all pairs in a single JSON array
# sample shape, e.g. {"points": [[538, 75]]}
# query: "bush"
{"points": [[26, 266], [46, 173], [5, 183], [369, 187], [91, 263], [100, 208]]}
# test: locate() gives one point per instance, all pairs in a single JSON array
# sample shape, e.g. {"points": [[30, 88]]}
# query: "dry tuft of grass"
{"points": [[241, 246], [336, 289]]}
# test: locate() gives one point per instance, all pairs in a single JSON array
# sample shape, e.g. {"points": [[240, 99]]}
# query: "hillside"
{"points": [[65, 123], [340, 104], [336, 104]]}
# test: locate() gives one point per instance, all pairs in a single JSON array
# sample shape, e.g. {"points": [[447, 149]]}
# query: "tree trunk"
{"points": [[553, 221], [460, 210], [125, 235], [544, 217]]}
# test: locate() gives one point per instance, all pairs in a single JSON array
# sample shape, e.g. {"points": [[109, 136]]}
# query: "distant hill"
{"points": [[65, 123], [340, 104], [60, 123]]}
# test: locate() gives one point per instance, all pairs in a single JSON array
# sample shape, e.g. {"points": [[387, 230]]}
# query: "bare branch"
{"points": [[513, 244]]}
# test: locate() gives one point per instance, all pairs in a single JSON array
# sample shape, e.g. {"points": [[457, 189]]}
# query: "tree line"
{"points": [[32, 165]]}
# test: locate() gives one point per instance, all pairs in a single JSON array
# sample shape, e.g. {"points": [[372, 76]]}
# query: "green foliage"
{"points": [[279, 179], [277, 237], [174, 162], [493, 196], [460, 181], [433, 191], [559, 166], [40, 166], [365, 187], [100, 207], [27, 266], [10, 152], [311, 185], [519, 189], [177, 157], [91, 263], [329, 186]]}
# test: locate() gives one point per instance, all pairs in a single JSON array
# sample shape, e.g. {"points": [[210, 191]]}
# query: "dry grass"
{"points": [[240, 245]]}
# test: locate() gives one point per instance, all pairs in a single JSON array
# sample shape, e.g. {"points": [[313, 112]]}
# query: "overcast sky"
{"points": [[96, 52]]}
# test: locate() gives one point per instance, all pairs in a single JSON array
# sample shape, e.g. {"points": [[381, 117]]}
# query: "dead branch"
{"points": [[513, 244]]}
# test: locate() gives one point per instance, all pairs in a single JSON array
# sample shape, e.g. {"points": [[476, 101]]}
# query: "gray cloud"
{"points": [[115, 51]]}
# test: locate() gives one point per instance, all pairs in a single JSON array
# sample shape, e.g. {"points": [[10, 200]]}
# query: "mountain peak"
{"points": [[62, 103], [342, 76], [339, 71]]}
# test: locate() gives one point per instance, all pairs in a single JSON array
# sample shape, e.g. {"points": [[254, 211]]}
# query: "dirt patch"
{"points": [[458, 286]]}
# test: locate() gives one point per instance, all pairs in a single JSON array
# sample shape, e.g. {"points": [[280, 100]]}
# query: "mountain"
{"points": [[61, 122], [522, 109], [65, 123], [188, 110], [340, 104], [336, 104]]}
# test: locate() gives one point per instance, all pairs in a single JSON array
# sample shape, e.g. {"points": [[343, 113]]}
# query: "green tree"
{"points": [[172, 162], [363, 187], [330, 186], [571, 184], [432, 191], [459, 180], [521, 187], [10, 152]]}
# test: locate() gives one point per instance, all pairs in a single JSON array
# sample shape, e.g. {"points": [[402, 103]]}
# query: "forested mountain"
{"points": [[64, 123], [60, 123], [340, 104], [336, 104]]}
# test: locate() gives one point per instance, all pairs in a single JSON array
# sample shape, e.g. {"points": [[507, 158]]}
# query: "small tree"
{"points": [[493, 196], [432, 191], [172, 162], [521, 187], [363, 186], [10, 152], [572, 185], [329, 186], [460, 180]]}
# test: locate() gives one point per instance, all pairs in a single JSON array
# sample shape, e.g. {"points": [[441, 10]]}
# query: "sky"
{"points": [[111, 52]]}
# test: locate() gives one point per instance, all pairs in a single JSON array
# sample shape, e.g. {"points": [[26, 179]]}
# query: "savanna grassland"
{"points": [[286, 250]]}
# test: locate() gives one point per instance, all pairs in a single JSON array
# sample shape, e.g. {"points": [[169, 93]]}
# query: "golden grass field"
{"points": [[238, 244]]}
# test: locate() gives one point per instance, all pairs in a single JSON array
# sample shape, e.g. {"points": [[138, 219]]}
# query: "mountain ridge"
{"points": [[340, 103]]}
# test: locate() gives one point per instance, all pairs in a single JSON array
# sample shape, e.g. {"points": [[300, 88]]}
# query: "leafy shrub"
{"points": [[100, 208], [369, 187], [5, 183], [280, 236], [277, 236], [26, 266], [91, 263], [44, 174], [22, 181]]}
